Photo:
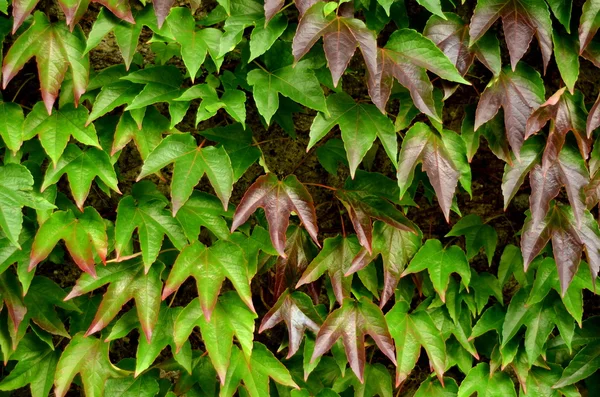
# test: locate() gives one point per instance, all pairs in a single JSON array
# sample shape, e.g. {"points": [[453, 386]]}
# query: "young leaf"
{"points": [[278, 199], [341, 35], [396, 248], [352, 322], [521, 21], [55, 130], [82, 167], [16, 192], [519, 92], [297, 82], [336, 259], [477, 235], [145, 211], [360, 124], [191, 163], [256, 373], [568, 113], [422, 144], [479, 381], [56, 50], [406, 57], [440, 263], [230, 317], [88, 357], [210, 266], [297, 311], [84, 235], [451, 35], [411, 332]]}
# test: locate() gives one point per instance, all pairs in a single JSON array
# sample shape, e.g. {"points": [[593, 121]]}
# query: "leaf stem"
{"points": [[21, 87], [261, 66], [125, 258], [270, 140], [320, 185]]}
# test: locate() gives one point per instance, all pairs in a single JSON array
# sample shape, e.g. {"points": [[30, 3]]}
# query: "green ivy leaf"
{"points": [[479, 381], [477, 235]]}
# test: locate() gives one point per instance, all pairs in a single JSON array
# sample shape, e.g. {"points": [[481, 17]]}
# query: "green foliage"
{"points": [[230, 166]]}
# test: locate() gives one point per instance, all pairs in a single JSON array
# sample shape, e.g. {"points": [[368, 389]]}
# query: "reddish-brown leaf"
{"points": [[593, 119], [296, 310], [161, 10], [521, 19], [519, 93], [278, 199], [341, 35], [567, 113], [352, 322], [568, 170]]}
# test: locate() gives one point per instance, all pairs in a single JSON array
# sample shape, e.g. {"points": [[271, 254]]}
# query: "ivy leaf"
{"points": [[341, 35], [362, 207], [82, 167], [56, 50], [411, 332], [588, 24], [210, 266], [128, 280], [479, 381], [84, 235], [88, 357], [12, 296], [203, 210], [568, 241], [515, 174], [145, 385], [194, 43], [566, 54], [11, 125], [297, 311], [36, 364], [191, 163], [593, 119], [422, 144], [396, 248], [477, 235], [111, 96], [406, 57], [440, 263], [521, 21], [145, 211], [451, 35], [16, 192], [232, 100], [278, 199], [584, 364], [519, 92], [298, 83], [300, 251], [263, 36], [433, 387], [567, 113], [569, 171], [256, 373], [352, 322], [230, 317], [336, 259], [360, 124], [55, 130], [162, 84], [147, 138]]}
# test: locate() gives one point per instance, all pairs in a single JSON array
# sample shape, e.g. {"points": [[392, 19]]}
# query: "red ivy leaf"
{"points": [[568, 241], [588, 25], [521, 19], [298, 313], [568, 170], [161, 10], [352, 322], [341, 35], [519, 92], [406, 57], [12, 296], [593, 120], [568, 114], [278, 199]]}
